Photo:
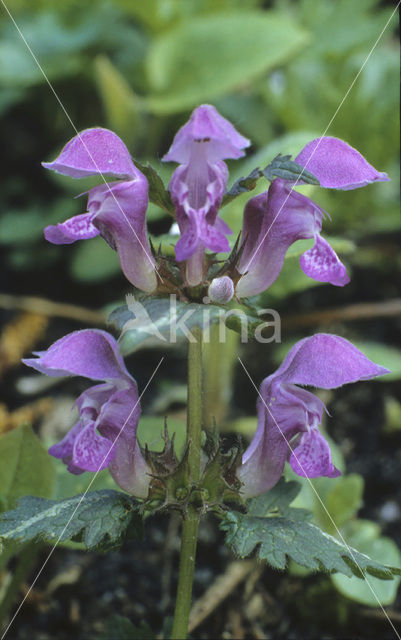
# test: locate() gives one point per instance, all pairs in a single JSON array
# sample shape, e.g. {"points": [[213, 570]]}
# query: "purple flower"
{"points": [[337, 165], [198, 184], [289, 416], [276, 219], [105, 434], [116, 210]]}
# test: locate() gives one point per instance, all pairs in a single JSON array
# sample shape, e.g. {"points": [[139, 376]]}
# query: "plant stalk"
{"points": [[190, 524]]}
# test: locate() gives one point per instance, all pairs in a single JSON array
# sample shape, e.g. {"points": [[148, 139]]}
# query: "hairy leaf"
{"points": [[99, 519], [160, 321], [285, 168], [277, 501], [240, 186], [277, 539]]}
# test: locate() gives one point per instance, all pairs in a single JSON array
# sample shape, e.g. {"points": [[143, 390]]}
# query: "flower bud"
{"points": [[221, 290]]}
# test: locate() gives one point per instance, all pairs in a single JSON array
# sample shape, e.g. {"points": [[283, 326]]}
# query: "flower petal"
{"points": [[63, 449], [91, 353], [337, 165], [76, 228], [273, 221], [120, 215], [91, 451], [263, 462], [213, 238], [326, 361], [197, 186], [206, 125], [322, 263], [94, 151], [312, 457], [189, 241]]}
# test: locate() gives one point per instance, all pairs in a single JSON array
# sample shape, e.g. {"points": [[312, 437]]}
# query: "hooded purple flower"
{"points": [[198, 184], [116, 210], [276, 219], [289, 416], [105, 434]]}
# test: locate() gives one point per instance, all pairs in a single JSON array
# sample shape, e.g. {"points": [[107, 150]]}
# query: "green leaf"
{"points": [[344, 499], [277, 539], [276, 502], [100, 519], [381, 549], [285, 168], [160, 321], [120, 628], [242, 185], [158, 194], [208, 56], [25, 466]]}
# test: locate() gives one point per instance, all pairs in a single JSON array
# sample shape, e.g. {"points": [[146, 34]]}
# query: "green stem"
{"points": [[195, 408], [190, 524], [189, 539]]}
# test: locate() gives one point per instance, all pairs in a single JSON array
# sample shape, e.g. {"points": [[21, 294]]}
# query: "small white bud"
{"points": [[221, 290]]}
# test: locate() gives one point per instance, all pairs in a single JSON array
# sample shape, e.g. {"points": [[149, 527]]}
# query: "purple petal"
{"points": [[312, 457], [189, 241], [322, 263], [263, 462], [120, 215], [283, 412], [118, 421], [91, 451], [198, 185], [337, 165], [207, 127], [325, 361], [91, 401], [286, 411], [195, 267], [91, 353], [213, 239], [273, 221], [76, 228], [94, 151], [63, 449]]}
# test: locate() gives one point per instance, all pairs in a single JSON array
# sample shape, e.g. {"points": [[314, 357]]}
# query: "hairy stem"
{"points": [[190, 524]]}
